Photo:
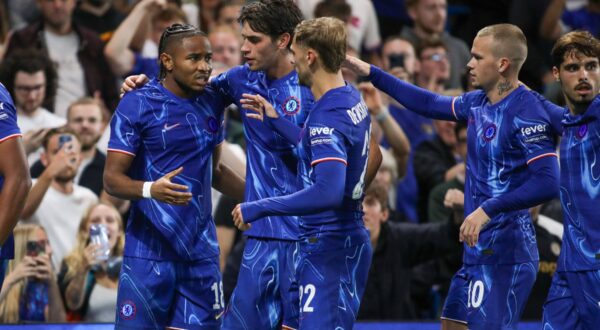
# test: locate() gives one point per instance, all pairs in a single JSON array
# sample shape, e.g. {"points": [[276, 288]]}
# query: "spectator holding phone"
{"points": [[55, 201], [89, 275], [30, 292]]}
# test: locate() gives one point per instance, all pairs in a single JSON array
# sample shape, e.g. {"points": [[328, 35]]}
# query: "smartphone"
{"points": [[64, 138], [35, 248], [396, 60]]}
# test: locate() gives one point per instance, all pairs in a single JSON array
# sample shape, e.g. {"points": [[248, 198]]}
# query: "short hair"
{"points": [[224, 4], [509, 42], [430, 42], [333, 8], [572, 43], [30, 61], [86, 100], [377, 193], [170, 13], [272, 17], [172, 34], [328, 37], [58, 131]]}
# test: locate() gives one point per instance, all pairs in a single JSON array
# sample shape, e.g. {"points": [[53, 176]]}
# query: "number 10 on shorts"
{"points": [[475, 295]]}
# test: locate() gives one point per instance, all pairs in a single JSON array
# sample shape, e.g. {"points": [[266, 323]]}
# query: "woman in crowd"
{"points": [[30, 292], [87, 280]]}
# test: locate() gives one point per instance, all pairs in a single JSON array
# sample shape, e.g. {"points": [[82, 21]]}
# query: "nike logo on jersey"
{"points": [[168, 128], [3, 115]]}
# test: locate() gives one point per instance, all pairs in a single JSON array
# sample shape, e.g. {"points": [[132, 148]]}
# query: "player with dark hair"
{"points": [[335, 248], [574, 296], [163, 154], [511, 166], [266, 295]]}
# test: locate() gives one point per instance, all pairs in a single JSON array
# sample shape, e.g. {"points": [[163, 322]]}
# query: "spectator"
{"points": [[226, 45], [435, 161], [363, 28], [397, 248], [429, 17], [30, 78], [434, 71], [399, 59], [85, 118], [122, 59], [100, 16], [558, 21], [30, 292], [436, 208], [77, 52], [89, 285], [55, 201], [227, 13]]}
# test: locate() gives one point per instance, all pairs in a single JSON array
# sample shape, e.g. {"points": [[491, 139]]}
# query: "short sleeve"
{"points": [[534, 132], [125, 126], [326, 141], [8, 117]]}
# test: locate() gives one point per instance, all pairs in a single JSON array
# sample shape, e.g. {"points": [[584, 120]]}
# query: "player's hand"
{"points": [[172, 193], [238, 218], [259, 105], [358, 66], [132, 83], [474, 222]]}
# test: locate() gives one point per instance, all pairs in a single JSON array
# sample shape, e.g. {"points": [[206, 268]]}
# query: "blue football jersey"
{"points": [[164, 132], [272, 161], [502, 139], [337, 129], [8, 130], [580, 190]]}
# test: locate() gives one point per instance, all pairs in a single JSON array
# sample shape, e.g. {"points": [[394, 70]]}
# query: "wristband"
{"points": [[146, 189], [382, 115]]}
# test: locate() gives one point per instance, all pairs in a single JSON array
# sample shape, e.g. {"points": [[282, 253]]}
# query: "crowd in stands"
{"points": [[63, 62]]}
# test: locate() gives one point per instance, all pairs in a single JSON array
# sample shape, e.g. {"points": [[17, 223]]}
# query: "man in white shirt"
{"points": [[55, 201], [31, 79]]}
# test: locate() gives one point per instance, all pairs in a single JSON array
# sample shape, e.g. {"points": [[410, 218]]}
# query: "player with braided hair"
{"points": [[163, 154]]}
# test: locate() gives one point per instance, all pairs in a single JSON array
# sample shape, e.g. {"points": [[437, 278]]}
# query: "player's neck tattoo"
{"points": [[504, 87]]}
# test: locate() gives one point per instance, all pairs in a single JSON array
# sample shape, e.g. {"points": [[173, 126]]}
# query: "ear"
{"points": [[167, 61], [284, 41], [504, 65], [556, 73], [311, 56], [412, 12], [385, 215]]}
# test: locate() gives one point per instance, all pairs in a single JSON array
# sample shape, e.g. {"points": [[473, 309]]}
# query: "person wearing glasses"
{"points": [[31, 79], [163, 154]]}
